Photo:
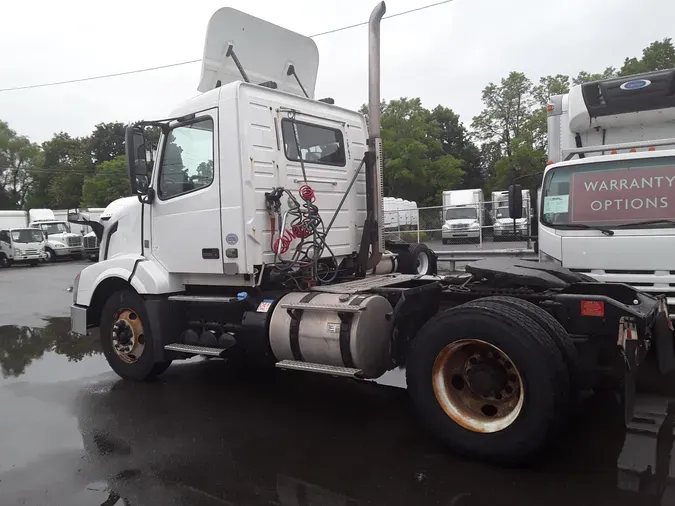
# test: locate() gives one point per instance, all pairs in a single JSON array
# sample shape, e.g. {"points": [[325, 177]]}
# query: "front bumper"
{"points": [[60, 252], [504, 231], [26, 258], [459, 234], [78, 319]]}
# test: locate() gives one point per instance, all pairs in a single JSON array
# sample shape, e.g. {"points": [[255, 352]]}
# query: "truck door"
{"points": [[186, 226]]}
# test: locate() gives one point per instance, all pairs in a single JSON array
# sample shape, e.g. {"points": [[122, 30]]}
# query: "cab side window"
{"points": [[4, 236], [187, 160]]}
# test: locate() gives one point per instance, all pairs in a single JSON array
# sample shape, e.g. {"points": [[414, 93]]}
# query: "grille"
{"points": [[74, 241], [90, 242], [30, 252]]}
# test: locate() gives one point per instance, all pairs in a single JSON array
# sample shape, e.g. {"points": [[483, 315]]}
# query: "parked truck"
{"points": [[463, 212], [608, 193], [21, 245], [257, 236], [59, 241], [505, 227]]}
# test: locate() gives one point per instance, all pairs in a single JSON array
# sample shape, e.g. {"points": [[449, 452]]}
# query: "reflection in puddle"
{"points": [[20, 346]]}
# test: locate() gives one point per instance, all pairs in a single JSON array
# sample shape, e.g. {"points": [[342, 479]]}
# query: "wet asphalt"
{"points": [[72, 433]]}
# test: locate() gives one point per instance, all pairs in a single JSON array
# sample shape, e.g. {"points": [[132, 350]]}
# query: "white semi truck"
{"points": [[463, 213], [257, 236], [608, 193], [505, 227]]}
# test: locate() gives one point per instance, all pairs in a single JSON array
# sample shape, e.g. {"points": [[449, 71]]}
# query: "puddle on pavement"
{"points": [[75, 434]]}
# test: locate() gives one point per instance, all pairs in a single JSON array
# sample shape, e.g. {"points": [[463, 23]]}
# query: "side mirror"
{"points": [[137, 160], [515, 201]]}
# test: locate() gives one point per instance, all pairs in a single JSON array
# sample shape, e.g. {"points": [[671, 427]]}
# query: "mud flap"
{"points": [[644, 465]]}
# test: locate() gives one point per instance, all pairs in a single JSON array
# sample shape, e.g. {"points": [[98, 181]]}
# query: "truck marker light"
{"points": [[550, 162], [651, 148], [550, 107], [633, 150], [593, 308], [612, 152]]}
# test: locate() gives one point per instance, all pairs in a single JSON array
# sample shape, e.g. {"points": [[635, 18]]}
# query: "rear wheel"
{"points": [[126, 337], [554, 329], [488, 381]]}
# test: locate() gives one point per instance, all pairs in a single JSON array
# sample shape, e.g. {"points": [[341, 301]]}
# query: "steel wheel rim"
{"points": [[422, 263], [467, 397], [48, 255], [127, 336]]}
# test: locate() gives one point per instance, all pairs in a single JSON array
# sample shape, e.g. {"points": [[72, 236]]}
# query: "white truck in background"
{"points": [[608, 193], [503, 224], [463, 215], [20, 245], [59, 242]]}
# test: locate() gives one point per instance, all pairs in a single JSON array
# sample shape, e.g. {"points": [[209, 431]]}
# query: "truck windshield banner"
{"points": [[623, 195]]}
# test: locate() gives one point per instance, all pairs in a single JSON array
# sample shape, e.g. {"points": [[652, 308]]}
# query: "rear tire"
{"points": [[127, 306], [535, 359]]}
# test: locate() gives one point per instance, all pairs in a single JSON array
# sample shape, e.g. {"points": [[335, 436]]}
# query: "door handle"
{"points": [[211, 253]]}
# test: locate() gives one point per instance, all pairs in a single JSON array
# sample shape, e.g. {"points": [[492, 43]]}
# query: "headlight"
{"points": [[18, 251], [475, 225], [57, 245], [543, 257], [446, 226]]}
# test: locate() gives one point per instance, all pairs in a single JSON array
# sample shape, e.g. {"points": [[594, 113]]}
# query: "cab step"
{"points": [[320, 368], [195, 350], [214, 299]]}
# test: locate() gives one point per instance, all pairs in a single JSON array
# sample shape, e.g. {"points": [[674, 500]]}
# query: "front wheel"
{"points": [[126, 337], [50, 256], [487, 381], [5, 262]]}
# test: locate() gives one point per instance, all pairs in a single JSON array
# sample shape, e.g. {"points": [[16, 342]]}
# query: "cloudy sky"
{"points": [[445, 54]]}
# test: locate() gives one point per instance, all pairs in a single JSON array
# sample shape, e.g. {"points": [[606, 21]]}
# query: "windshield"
{"points": [[461, 213], [503, 212], [610, 193], [53, 228], [27, 235]]}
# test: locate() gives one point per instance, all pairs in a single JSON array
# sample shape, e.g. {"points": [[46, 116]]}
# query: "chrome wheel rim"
{"points": [[422, 263], [478, 386], [127, 336]]}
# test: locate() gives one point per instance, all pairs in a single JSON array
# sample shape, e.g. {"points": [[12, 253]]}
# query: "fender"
{"points": [[145, 276]]}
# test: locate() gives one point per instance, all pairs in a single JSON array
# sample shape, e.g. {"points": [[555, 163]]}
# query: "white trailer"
{"points": [[608, 193], [463, 214]]}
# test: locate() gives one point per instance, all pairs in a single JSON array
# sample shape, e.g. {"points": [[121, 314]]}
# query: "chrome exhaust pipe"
{"points": [[374, 182]]}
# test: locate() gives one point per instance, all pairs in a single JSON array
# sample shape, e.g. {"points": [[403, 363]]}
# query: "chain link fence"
{"points": [[460, 227]]}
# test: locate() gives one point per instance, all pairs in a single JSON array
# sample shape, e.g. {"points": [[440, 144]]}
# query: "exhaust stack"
{"points": [[374, 174]]}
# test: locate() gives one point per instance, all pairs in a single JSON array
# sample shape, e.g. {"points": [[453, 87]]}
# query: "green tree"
{"points": [[585, 77], [507, 107], [456, 142], [106, 142], [65, 163], [109, 183], [659, 55], [416, 165], [19, 159]]}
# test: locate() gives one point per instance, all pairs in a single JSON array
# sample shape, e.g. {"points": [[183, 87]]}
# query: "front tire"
{"points": [[50, 256], [5, 262], [126, 338], [488, 381]]}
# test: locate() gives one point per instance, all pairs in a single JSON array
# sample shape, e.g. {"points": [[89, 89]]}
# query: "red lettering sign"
{"points": [[623, 195]]}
